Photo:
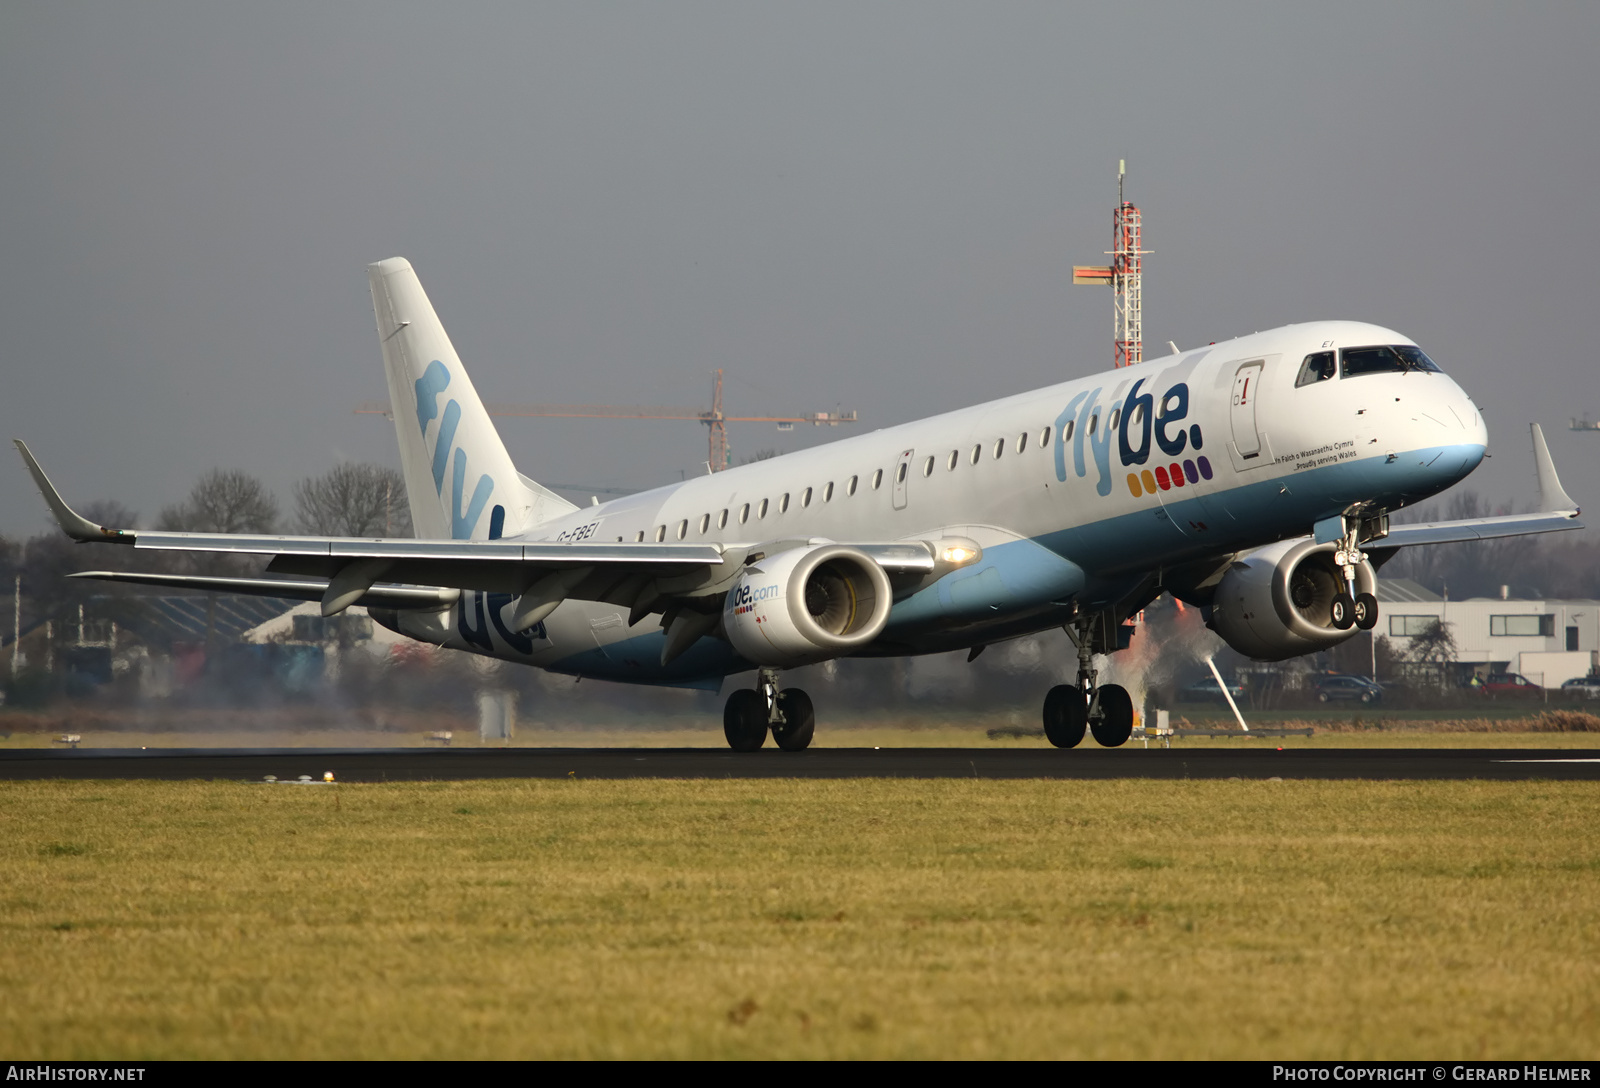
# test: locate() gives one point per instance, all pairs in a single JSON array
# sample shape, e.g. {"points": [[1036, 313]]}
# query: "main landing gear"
{"points": [[1351, 609], [1105, 710], [751, 712]]}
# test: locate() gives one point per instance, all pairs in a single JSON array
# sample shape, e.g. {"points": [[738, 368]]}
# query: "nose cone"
{"points": [[1465, 440]]}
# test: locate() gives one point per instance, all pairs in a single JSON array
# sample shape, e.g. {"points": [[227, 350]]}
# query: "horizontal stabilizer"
{"points": [[399, 598]]}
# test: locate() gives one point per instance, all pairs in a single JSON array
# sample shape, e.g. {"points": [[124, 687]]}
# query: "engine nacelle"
{"points": [[1276, 602], [806, 605]]}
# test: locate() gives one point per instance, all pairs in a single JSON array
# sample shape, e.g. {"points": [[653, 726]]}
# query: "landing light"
{"points": [[958, 555]]}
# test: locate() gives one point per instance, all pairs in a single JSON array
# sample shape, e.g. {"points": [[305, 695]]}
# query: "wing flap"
{"points": [[401, 598]]}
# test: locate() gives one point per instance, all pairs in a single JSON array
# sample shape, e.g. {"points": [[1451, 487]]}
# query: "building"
{"points": [[1549, 642]]}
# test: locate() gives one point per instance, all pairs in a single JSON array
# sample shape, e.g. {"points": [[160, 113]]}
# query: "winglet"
{"points": [[1553, 498], [72, 523]]}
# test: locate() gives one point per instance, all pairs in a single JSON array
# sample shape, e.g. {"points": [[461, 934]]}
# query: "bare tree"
{"points": [[1434, 653], [353, 500], [223, 502]]}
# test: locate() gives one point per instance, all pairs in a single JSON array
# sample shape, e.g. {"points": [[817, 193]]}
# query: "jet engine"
{"points": [[1277, 602], [807, 604]]}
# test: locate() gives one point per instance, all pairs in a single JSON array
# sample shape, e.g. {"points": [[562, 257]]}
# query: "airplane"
{"points": [[1252, 478]]}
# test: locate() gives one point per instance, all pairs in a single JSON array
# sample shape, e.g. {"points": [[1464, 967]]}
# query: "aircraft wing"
{"points": [[1557, 512], [430, 574]]}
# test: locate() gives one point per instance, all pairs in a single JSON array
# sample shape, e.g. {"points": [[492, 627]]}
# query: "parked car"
{"points": [[1506, 685], [1205, 690], [1354, 689], [1582, 687], [1346, 690]]}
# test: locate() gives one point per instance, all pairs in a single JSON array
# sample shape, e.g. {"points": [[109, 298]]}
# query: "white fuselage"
{"points": [[1226, 454]]}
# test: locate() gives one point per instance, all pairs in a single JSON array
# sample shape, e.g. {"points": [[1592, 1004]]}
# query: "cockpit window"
{"points": [[1385, 360], [1317, 368]]}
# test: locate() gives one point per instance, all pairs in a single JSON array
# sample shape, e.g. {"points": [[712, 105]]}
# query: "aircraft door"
{"points": [[902, 470], [1246, 385]]}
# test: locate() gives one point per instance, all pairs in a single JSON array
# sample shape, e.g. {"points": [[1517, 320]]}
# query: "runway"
{"points": [[422, 764]]}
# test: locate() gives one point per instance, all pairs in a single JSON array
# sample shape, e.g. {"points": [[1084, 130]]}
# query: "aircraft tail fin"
{"points": [[459, 478]]}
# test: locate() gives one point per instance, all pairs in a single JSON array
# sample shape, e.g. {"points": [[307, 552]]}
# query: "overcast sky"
{"points": [[864, 205]]}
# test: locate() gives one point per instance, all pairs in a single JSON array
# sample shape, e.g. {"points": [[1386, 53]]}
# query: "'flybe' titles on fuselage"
{"points": [[1143, 432]]}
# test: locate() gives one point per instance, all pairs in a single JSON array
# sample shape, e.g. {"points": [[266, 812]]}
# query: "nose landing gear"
{"points": [[1351, 609], [751, 712]]}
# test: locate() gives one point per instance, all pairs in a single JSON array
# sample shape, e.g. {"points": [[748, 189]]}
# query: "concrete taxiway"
{"points": [[418, 764]]}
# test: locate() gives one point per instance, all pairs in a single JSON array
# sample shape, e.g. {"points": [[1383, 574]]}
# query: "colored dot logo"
{"points": [[1167, 477]]}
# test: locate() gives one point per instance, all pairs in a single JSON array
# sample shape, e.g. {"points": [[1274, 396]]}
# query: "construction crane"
{"points": [[1123, 275], [715, 419]]}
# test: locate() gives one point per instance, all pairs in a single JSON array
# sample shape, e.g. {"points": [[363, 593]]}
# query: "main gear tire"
{"points": [[799, 723], [744, 720], [1116, 716], [1065, 716]]}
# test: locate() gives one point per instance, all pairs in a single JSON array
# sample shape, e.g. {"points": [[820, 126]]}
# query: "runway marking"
{"points": [[1555, 760]]}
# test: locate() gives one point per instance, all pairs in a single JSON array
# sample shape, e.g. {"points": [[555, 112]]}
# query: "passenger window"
{"points": [[1317, 368], [827, 492], [1116, 415], [722, 520], [1044, 438], [805, 498], [661, 533], [877, 478], [1066, 432], [850, 488], [1022, 441], [744, 513], [999, 448], [1093, 420], [977, 453], [640, 538], [927, 467], [900, 473], [683, 528], [955, 455], [783, 503], [761, 511]]}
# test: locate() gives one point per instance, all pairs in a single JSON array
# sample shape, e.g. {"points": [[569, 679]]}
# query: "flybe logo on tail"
{"points": [[1144, 434], [433, 382]]}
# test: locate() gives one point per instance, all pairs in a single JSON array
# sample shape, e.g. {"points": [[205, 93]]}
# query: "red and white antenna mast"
{"points": [[1124, 275]]}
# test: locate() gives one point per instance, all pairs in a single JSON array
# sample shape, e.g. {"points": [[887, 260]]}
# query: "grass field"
{"points": [[861, 918]]}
